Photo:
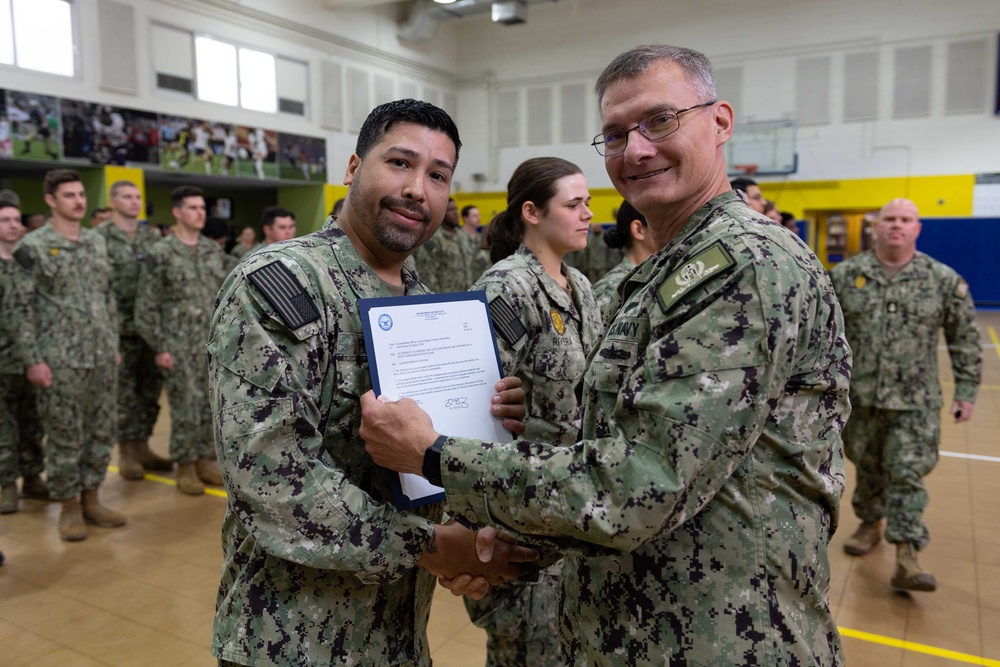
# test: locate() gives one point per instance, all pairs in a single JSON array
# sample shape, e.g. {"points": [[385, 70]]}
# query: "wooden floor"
{"points": [[144, 594]]}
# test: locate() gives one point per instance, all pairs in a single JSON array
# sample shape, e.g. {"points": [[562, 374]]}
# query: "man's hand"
{"points": [[962, 411], [164, 360], [508, 404], [476, 587], [40, 374], [396, 433], [456, 552]]}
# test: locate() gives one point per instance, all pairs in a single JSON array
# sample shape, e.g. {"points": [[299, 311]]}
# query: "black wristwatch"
{"points": [[431, 468]]}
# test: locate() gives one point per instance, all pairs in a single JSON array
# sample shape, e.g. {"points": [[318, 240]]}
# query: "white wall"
{"points": [[575, 39]]}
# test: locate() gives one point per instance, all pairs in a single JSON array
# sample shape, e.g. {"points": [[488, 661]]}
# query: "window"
{"points": [[225, 73], [38, 35]]}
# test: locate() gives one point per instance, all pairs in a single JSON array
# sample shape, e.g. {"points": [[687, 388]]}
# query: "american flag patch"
{"points": [[506, 321], [284, 292]]}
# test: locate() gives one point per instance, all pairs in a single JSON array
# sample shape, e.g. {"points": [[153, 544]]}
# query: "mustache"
{"points": [[396, 202]]}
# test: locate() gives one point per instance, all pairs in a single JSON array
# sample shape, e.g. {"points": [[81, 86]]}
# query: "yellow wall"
{"points": [[331, 193], [113, 174]]}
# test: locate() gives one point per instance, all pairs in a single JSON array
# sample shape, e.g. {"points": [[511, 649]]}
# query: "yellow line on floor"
{"points": [[996, 339], [846, 632], [211, 491], [919, 648]]}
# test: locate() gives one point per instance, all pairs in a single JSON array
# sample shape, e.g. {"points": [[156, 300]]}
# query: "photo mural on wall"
{"points": [[36, 131], [103, 134]]}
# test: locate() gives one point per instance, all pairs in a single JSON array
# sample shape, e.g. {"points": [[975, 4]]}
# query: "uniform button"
{"points": [[472, 517]]}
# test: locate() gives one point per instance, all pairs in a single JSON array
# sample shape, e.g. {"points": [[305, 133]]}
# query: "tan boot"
{"points": [[909, 575], [208, 471], [187, 479], [8, 498], [99, 515], [149, 460], [34, 487], [864, 539], [71, 525], [128, 464]]}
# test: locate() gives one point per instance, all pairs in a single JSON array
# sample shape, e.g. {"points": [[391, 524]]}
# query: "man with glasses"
{"points": [[751, 192], [695, 511]]}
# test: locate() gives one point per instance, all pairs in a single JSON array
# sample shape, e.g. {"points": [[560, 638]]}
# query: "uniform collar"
{"points": [[362, 278], [554, 291]]}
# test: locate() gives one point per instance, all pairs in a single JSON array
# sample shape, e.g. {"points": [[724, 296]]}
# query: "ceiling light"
{"points": [[444, 2]]}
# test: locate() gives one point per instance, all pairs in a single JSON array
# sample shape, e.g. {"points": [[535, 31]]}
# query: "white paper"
{"points": [[443, 356]]}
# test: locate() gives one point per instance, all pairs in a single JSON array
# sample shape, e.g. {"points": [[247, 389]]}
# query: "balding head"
{"points": [[897, 230]]}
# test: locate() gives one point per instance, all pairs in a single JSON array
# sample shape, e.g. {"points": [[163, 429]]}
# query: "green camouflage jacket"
{"points": [[319, 567], [177, 288], [893, 327], [697, 509], [604, 289], [544, 336], [125, 254], [59, 304], [445, 263], [9, 363]]}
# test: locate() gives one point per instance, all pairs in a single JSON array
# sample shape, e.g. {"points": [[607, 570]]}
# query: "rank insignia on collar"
{"points": [[53, 251], [557, 321], [860, 282]]}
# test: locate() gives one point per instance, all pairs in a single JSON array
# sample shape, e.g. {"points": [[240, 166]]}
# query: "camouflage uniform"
{"points": [[319, 568], [544, 337], [893, 435], [178, 285], [139, 380], [446, 261], [696, 512], [20, 429], [604, 289], [60, 307]]}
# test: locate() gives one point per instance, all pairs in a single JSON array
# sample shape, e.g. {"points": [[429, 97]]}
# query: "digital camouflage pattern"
{"points": [[178, 285], [604, 289], [893, 327], [520, 619], [319, 567], [139, 380], [446, 261], [696, 512], [62, 311], [20, 430]]}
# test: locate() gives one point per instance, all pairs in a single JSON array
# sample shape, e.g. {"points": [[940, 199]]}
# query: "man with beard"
{"points": [[62, 308], [446, 263], [319, 567]]}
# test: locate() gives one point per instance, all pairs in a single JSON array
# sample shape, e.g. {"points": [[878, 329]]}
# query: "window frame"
{"points": [[75, 32]]}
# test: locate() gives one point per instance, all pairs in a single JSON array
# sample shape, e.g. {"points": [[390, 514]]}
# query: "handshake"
{"points": [[469, 563]]}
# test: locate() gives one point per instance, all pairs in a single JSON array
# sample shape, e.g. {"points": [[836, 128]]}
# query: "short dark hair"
{"points": [[742, 183], [384, 116], [787, 217], [118, 185], [216, 228], [466, 209], [56, 177], [6, 203], [99, 209], [179, 194], [534, 180], [620, 236], [337, 206], [269, 213]]}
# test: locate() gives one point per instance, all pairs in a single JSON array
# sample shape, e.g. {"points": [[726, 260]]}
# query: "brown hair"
{"points": [[56, 177]]}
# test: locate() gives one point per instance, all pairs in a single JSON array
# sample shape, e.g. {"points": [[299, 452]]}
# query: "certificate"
{"points": [[439, 350]]}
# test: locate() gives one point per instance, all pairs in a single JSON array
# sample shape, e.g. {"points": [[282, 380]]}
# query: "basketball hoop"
{"points": [[745, 169]]}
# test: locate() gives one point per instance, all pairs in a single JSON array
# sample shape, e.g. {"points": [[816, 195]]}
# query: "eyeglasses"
{"points": [[655, 127]]}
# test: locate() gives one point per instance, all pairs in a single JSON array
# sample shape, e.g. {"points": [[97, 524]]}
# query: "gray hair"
{"points": [[636, 61]]}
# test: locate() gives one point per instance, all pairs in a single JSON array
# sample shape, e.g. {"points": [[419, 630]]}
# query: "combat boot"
{"points": [[8, 498], [99, 515], [187, 479], [71, 525], [208, 471], [34, 487], [909, 575], [148, 459], [864, 539], [128, 464]]}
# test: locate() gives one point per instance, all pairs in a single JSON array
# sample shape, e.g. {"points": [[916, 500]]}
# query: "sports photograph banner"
{"points": [[36, 130]]}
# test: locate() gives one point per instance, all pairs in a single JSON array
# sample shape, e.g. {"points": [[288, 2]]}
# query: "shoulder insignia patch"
{"points": [[283, 291], [24, 258], [697, 270], [961, 289], [557, 321], [506, 321]]}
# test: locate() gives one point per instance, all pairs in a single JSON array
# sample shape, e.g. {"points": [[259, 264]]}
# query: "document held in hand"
{"points": [[439, 350]]}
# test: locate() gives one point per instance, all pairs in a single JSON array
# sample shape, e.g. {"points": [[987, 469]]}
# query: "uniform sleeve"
{"points": [[685, 416], [271, 421], [19, 307], [962, 336], [148, 318]]}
